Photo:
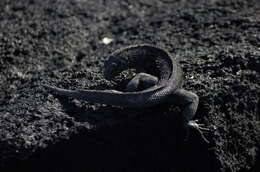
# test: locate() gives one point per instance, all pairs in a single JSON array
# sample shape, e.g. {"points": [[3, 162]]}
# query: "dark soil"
{"points": [[59, 42]]}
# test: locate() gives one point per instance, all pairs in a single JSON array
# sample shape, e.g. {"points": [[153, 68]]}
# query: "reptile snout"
{"points": [[109, 70], [112, 67]]}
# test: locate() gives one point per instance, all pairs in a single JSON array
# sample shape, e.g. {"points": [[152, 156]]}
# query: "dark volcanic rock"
{"points": [[60, 42]]}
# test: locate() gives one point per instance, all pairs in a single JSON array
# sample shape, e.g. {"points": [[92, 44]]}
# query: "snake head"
{"points": [[113, 66]]}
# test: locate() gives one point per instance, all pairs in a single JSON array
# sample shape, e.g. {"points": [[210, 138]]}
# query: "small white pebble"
{"points": [[107, 40]]}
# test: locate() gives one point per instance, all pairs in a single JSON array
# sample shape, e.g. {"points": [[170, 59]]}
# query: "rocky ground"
{"points": [[61, 42]]}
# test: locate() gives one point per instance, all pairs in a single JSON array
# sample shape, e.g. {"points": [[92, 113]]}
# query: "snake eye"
{"points": [[113, 65]]}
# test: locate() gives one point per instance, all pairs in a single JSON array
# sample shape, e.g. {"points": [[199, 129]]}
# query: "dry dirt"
{"points": [[60, 42]]}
